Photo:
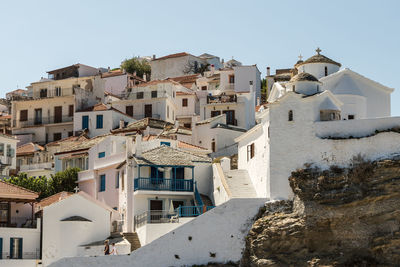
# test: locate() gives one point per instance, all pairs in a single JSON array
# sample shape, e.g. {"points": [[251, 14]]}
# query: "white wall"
{"points": [[61, 239], [116, 84], [171, 67], [228, 223], [220, 194], [318, 69]]}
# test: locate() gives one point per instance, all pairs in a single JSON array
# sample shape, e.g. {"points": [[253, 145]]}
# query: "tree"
{"points": [[193, 67], [140, 66], [61, 181]]}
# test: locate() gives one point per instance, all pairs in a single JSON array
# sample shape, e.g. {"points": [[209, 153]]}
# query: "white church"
{"points": [[323, 115]]}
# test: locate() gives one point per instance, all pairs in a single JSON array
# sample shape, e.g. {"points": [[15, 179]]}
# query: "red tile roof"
{"points": [[182, 144], [187, 80], [28, 148], [156, 82], [112, 73], [53, 199], [69, 139], [182, 54], [11, 191]]}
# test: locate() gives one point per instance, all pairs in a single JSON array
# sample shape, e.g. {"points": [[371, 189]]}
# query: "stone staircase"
{"points": [[133, 239], [239, 184]]}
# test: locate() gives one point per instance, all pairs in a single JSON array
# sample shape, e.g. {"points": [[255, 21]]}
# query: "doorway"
{"points": [[58, 114], [148, 111], [156, 207]]}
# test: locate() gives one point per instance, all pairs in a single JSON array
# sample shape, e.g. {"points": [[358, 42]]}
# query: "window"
{"points": [[85, 122], [290, 115], [56, 136], [129, 110], [71, 110], [139, 95], [70, 134], [123, 179], [23, 115], [153, 94], [184, 102], [204, 88], [326, 71], [250, 151], [156, 176], [213, 146], [1, 149], [102, 183], [215, 113], [9, 151], [58, 91], [99, 121], [117, 180], [15, 248], [187, 125], [43, 92], [350, 117], [165, 143], [231, 79], [102, 154], [38, 116]]}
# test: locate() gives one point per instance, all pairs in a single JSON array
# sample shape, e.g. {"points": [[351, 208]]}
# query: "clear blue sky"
{"points": [[37, 36]]}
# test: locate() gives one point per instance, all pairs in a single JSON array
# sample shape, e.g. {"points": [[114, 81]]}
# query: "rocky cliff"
{"points": [[339, 217]]}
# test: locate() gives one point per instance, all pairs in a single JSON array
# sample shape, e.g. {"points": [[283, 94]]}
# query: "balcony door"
{"points": [[148, 111], [156, 207], [58, 114], [38, 116], [179, 177], [230, 116], [4, 214]]}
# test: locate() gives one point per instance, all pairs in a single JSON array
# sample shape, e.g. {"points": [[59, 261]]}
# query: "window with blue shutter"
{"points": [[102, 154], [117, 180], [99, 121], [165, 143], [102, 183], [15, 248], [85, 122]]}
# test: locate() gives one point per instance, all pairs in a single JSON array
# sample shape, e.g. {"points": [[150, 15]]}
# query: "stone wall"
{"points": [[339, 217]]}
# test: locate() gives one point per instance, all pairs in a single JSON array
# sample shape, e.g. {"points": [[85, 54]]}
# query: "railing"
{"points": [[161, 184], [19, 222], [37, 166], [44, 120], [221, 99], [155, 216], [192, 211], [197, 196], [53, 93], [25, 256]]}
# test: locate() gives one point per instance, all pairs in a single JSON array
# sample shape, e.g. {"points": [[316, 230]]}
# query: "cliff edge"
{"points": [[339, 217]]}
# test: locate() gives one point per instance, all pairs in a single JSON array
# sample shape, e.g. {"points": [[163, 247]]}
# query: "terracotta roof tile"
{"points": [[28, 148], [184, 145], [11, 191], [182, 54], [53, 199]]}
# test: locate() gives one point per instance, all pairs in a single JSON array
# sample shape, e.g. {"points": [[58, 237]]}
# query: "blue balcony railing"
{"points": [[161, 184]]}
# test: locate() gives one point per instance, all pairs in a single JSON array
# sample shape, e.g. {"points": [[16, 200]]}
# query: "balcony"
{"points": [[42, 121], [162, 184], [37, 166], [221, 99], [45, 93]]}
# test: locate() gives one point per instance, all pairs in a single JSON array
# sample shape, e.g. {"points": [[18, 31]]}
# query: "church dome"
{"points": [[303, 76], [318, 58]]}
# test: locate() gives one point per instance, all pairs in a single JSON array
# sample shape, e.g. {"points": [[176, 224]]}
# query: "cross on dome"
{"points": [[318, 50], [76, 189]]}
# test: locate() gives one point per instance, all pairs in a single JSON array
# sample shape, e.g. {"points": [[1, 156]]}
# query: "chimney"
{"points": [[222, 61], [138, 145], [212, 69], [121, 124], [268, 71], [154, 57], [144, 77], [251, 86], [258, 101], [108, 69]]}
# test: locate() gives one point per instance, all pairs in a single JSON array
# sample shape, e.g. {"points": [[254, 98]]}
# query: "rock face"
{"points": [[339, 217]]}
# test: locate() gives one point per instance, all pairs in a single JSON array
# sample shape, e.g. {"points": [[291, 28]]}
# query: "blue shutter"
{"points": [[99, 121], [102, 182], [20, 248], [102, 154], [165, 143], [85, 122], [11, 247], [1, 248]]}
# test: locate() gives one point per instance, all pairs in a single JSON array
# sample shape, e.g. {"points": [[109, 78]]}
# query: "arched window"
{"points": [[290, 115], [326, 71]]}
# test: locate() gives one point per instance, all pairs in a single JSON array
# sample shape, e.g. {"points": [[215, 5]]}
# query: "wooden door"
{"points": [[148, 111], [230, 117], [129, 110], [58, 114]]}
